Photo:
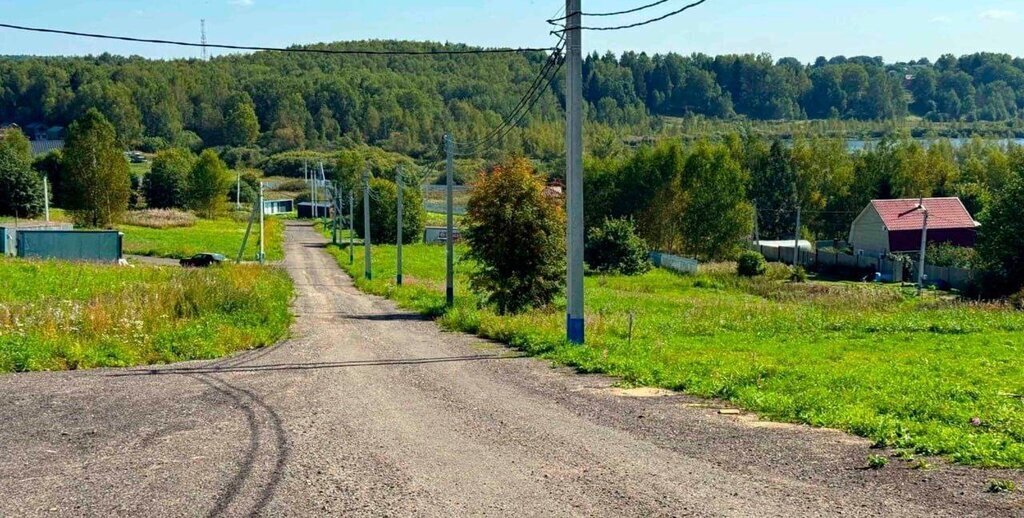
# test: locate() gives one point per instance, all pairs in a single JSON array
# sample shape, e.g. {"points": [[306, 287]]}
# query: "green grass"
{"points": [[222, 236], [871, 360], [57, 315], [438, 219]]}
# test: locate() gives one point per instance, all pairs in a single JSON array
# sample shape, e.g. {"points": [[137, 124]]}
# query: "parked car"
{"points": [[203, 260]]}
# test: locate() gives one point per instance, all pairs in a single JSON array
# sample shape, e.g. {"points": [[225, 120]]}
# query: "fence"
{"points": [[71, 245], [890, 270], [949, 278], [675, 263], [9, 239]]}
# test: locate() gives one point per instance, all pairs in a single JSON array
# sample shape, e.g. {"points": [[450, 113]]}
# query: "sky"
{"points": [[805, 29]]}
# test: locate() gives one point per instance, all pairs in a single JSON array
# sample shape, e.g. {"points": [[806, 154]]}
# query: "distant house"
{"points": [[895, 226], [42, 147]]}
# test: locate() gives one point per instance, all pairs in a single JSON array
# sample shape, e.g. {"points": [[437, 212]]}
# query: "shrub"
{"points": [[207, 184], [291, 163], [242, 157], [877, 461], [1017, 300], [293, 186], [798, 274], [1001, 486], [384, 213], [616, 247], [948, 255], [1000, 247], [153, 144], [516, 236], [160, 218], [751, 264]]}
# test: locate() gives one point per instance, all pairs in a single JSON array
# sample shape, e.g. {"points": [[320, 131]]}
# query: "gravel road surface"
{"points": [[368, 410]]}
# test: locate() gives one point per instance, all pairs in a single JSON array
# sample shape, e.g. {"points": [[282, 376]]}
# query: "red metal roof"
{"points": [[942, 213]]}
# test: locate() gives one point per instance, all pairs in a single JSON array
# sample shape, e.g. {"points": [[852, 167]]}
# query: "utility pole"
{"points": [[367, 266], [46, 198], [796, 240], [924, 249], [323, 185], [351, 226], [336, 205], [449, 284], [574, 170], [757, 229], [401, 186], [238, 191], [263, 255]]}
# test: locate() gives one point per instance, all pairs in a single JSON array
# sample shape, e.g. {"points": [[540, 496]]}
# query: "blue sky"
{"points": [[897, 30]]}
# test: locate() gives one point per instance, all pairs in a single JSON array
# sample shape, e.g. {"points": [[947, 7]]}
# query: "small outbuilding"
{"points": [[272, 207], [895, 226], [310, 210]]}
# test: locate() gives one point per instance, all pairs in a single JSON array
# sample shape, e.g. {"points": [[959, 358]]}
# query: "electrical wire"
{"points": [[527, 104], [616, 13], [301, 50], [645, 22]]}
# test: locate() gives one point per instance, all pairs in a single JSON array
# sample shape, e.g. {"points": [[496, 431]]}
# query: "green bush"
{"points": [[384, 213], [751, 264], [798, 274], [292, 163], [616, 247], [516, 236]]}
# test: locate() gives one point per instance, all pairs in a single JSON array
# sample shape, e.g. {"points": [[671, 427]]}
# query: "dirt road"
{"points": [[368, 410]]}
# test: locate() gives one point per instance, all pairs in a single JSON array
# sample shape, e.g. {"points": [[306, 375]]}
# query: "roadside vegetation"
{"points": [[57, 316], [932, 375]]}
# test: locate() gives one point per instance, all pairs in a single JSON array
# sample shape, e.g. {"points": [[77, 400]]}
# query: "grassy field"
{"points": [[871, 360], [56, 315], [222, 236]]}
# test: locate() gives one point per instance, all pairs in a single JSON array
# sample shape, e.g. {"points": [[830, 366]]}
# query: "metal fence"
{"points": [[71, 245], [675, 263], [9, 235]]}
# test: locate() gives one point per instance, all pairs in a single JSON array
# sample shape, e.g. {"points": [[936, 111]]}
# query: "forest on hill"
{"points": [[278, 102]]}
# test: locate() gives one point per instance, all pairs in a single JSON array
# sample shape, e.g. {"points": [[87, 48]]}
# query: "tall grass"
{"points": [[160, 218], [872, 360], [74, 316]]}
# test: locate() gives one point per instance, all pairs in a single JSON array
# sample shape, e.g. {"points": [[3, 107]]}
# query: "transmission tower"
{"points": [[202, 27]]}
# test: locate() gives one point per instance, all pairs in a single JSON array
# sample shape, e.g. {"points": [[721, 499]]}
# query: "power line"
{"points": [[645, 22], [300, 50], [516, 113], [616, 13]]}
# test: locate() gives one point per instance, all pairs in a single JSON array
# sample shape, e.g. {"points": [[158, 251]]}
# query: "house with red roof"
{"points": [[895, 226]]}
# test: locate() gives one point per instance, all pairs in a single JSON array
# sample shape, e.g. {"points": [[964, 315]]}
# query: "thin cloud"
{"points": [[243, 3], [999, 15], [942, 19]]}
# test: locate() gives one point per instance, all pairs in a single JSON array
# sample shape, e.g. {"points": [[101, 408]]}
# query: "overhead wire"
{"points": [[645, 22], [615, 13], [300, 50]]}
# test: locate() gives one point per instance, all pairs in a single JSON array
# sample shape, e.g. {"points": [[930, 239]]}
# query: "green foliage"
{"points": [[877, 461], [76, 316], [241, 127], [1000, 245], [21, 188], [516, 236], [716, 216], [751, 264], [207, 184], [948, 255], [798, 275], [774, 192], [166, 185], [242, 157], [838, 355], [51, 167], [384, 213], [615, 247], [293, 163], [96, 181]]}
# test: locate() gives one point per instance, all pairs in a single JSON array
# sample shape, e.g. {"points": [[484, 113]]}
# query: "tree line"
{"points": [[273, 102]]}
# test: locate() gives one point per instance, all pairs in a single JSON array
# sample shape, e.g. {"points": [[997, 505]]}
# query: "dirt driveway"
{"points": [[369, 410]]}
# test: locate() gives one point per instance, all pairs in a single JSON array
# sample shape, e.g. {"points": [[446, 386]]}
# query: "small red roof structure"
{"points": [[893, 226]]}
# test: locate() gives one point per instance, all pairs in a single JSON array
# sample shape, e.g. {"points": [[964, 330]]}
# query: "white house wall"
{"points": [[868, 232]]}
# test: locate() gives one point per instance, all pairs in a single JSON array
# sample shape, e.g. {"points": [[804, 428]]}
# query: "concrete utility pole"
{"points": [[336, 205], [796, 240], [351, 226], [46, 198], [757, 229], [323, 184], [449, 284], [924, 249], [574, 170], [238, 191], [263, 254], [367, 267], [401, 186]]}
